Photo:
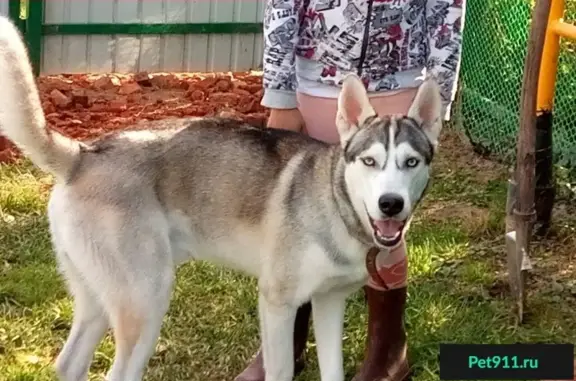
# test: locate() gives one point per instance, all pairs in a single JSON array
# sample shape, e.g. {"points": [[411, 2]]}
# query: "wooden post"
{"points": [[523, 210]]}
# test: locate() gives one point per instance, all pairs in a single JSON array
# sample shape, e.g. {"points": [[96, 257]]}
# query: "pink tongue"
{"points": [[388, 228]]}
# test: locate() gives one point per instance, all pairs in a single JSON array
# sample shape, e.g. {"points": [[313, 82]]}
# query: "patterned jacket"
{"points": [[310, 45]]}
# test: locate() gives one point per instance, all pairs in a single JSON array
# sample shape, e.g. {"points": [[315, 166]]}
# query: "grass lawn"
{"points": [[457, 293]]}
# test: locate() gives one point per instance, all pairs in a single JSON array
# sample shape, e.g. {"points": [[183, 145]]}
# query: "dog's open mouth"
{"points": [[388, 233]]}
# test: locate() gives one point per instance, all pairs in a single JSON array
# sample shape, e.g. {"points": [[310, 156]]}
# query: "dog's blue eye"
{"points": [[368, 161], [412, 162]]}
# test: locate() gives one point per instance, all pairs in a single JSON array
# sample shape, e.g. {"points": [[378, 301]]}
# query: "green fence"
{"points": [[495, 39]]}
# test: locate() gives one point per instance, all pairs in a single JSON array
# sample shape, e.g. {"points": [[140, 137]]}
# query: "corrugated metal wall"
{"points": [[4, 7], [80, 54]]}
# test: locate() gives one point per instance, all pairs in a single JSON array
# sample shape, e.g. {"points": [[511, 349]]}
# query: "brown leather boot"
{"points": [[255, 370], [385, 356]]}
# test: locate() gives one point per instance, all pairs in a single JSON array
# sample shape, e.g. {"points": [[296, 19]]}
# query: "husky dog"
{"points": [[298, 214]]}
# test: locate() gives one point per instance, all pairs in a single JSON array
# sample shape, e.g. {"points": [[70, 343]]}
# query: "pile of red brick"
{"points": [[85, 106]]}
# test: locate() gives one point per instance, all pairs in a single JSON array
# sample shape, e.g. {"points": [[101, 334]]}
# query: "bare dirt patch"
{"points": [[455, 155], [472, 218]]}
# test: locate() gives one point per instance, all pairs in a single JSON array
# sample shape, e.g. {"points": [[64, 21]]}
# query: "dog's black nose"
{"points": [[391, 204]]}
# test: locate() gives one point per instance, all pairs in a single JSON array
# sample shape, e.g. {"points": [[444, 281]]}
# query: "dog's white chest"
{"points": [[322, 273]]}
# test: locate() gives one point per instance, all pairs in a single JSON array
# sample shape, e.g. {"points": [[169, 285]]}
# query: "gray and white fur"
{"points": [[298, 214]]}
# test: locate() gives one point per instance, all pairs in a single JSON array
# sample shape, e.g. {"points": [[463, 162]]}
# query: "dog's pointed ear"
{"points": [[353, 107], [427, 109]]}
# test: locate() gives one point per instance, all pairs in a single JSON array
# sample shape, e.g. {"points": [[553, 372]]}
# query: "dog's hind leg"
{"points": [[328, 316], [277, 330], [88, 327], [136, 321], [136, 330]]}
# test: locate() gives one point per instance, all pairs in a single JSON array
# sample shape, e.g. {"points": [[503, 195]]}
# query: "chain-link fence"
{"points": [[495, 39]]}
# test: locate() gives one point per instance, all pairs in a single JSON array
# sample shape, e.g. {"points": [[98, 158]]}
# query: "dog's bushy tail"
{"points": [[21, 116]]}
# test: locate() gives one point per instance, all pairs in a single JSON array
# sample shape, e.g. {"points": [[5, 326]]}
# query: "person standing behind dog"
{"points": [[310, 45]]}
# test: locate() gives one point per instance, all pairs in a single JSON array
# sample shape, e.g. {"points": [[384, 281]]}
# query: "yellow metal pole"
{"points": [[563, 29], [549, 63]]}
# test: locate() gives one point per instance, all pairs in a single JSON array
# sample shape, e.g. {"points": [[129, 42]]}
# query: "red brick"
{"points": [[143, 79], [118, 105], [197, 95], [167, 81], [48, 107], [135, 98], [223, 85], [224, 98], [246, 105], [79, 97], [60, 100], [129, 88], [206, 83], [55, 83], [106, 83], [242, 92], [253, 88]]}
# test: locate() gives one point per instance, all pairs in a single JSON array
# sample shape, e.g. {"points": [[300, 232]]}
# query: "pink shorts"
{"points": [[319, 116], [320, 113]]}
